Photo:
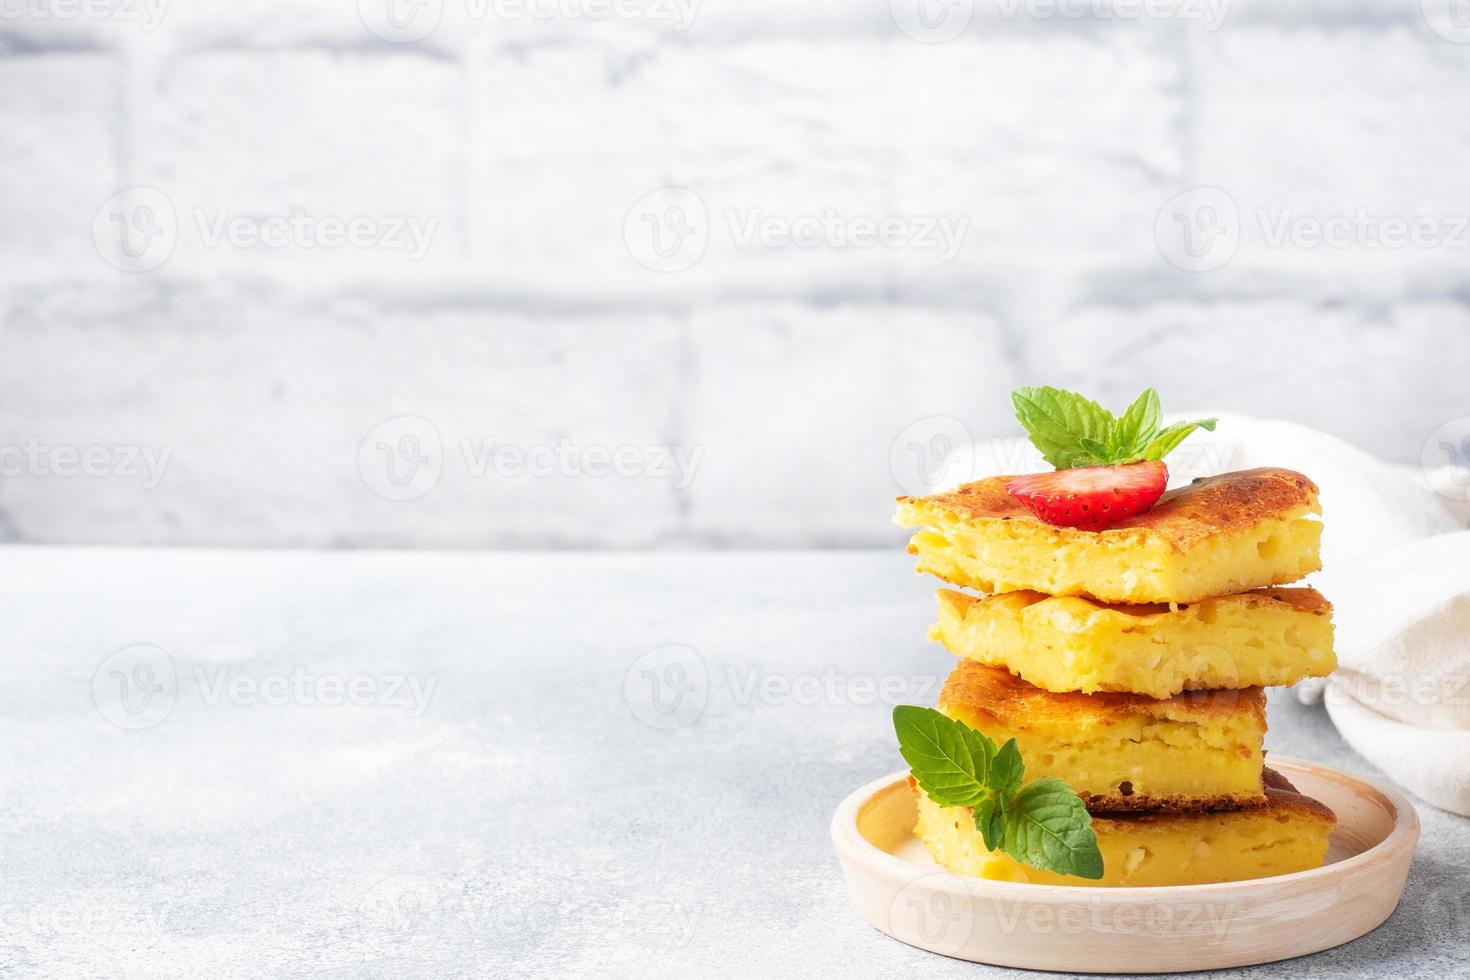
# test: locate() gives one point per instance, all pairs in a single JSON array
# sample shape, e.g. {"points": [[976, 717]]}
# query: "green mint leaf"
{"points": [[1057, 421], [1167, 441], [1042, 824], [950, 761], [1073, 431], [1099, 452], [998, 822], [1047, 827], [1008, 769], [990, 821], [1137, 426]]}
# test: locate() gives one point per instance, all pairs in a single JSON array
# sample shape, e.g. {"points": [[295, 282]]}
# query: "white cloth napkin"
{"points": [[1396, 567]]}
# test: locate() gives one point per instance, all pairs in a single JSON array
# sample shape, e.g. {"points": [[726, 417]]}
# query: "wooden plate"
{"points": [[899, 889]]}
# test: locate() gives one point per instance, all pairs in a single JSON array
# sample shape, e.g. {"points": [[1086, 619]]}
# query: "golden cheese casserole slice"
{"points": [[1217, 536], [1288, 833], [1122, 751], [1261, 638]]}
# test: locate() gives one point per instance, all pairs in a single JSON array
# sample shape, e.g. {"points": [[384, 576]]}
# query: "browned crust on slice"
{"points": [[1285, 795], [1182, 517], [1281, 797], [1110, 805], [1302, 599], [1274, 780], [1012, 702]]}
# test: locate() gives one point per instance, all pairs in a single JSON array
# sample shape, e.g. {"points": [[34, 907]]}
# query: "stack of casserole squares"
{"points": [[1130, 663]]}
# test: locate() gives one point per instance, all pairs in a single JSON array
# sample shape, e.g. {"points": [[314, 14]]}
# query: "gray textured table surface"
{"points": [[432, 765]]}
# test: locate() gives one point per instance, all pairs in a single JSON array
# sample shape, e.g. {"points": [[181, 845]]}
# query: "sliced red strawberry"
{"points": [[1091, 497]]}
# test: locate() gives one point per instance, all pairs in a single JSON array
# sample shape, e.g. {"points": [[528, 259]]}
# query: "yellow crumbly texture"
{"points": [[1068, 643], [1153, 849], [1007, 556], [1216, 536], [1137, 760]]}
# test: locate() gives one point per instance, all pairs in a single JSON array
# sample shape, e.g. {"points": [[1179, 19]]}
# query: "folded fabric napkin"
{"points": [[1396, 567]]}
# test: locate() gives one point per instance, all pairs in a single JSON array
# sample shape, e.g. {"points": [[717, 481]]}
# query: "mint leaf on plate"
{"points": [[950, 760], [990, 820], [1008, 769], [1042, 824], [1050, 828]]}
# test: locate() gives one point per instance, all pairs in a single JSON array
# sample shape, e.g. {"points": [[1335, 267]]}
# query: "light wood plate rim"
{"points": [[872, 871], [845, 835]]}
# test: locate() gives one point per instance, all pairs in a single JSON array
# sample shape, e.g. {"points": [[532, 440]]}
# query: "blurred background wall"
{"points": [[671, 273]]}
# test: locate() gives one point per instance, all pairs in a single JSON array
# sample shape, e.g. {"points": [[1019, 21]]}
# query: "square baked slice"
{"points": [[1260, 638], [1216, 536], [1197, 750], [1288, 833]]}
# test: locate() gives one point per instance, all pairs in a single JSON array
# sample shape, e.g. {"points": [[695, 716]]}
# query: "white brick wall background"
{"points": [[261, 382]]}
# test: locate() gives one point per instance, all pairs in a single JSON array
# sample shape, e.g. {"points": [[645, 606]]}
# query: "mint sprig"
{"points": [[1042, 824], [1071, 430], [1052, 830]]}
